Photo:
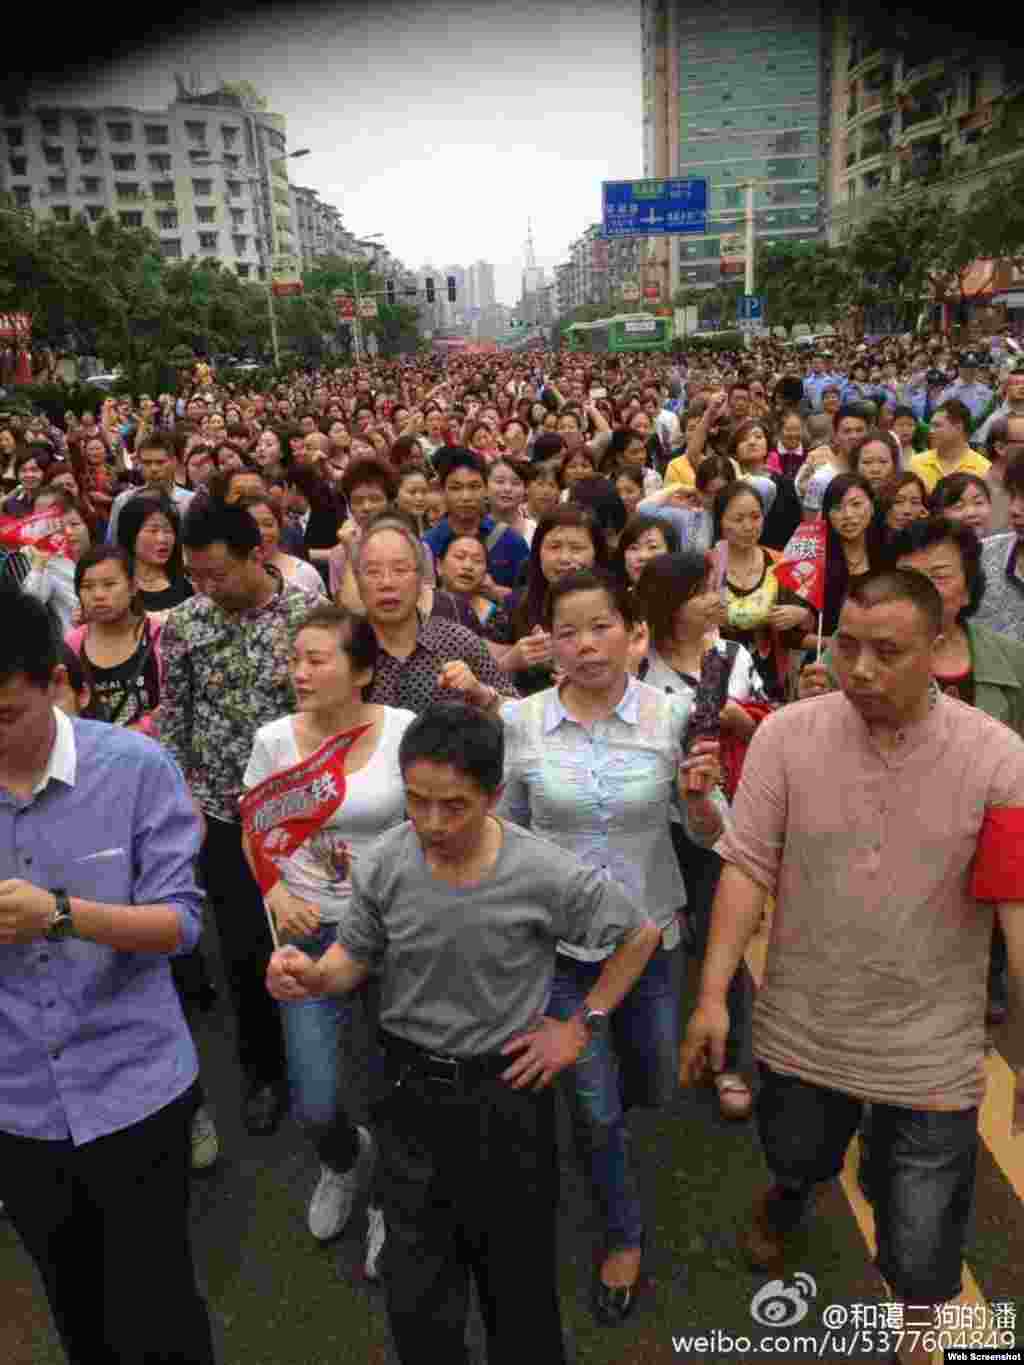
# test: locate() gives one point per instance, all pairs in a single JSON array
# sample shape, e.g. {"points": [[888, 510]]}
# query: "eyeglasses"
{"points": [[378, 573]]}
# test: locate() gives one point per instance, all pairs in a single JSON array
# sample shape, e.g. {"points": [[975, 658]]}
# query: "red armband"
{"points": [[999, 860]]}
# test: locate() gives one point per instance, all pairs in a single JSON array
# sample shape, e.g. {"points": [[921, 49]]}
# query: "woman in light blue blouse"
{"points": [[595, 765]]}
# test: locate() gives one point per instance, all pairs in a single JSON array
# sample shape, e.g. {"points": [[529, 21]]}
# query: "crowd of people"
{"points": [[502, 577]]}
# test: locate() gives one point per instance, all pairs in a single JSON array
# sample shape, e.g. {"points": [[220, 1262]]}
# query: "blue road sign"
{"points": [[750, 308], [654, 208]]}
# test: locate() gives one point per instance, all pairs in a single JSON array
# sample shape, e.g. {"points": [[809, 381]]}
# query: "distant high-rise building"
{"points": [[736, 90]]}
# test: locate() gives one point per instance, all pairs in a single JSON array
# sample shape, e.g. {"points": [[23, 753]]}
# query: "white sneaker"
{"points": [[375, 1236], [331, 1205], [205, 1143]]}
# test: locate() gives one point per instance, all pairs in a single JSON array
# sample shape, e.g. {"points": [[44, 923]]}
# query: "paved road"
{"points": [[279, 1299]]}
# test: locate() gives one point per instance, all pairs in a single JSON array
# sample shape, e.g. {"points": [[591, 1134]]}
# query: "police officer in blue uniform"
{"points": [[968, 388]]}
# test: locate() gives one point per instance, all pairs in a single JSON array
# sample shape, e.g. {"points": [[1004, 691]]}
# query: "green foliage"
{"points": [[55, 399]]}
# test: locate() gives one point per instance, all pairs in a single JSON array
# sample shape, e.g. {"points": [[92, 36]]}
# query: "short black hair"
{"points": [[598, 495], [958, 412], [549, 446], [356, 636], [28, 642], [940, 530], [900, 585], [157, 440], [450, 458], [209, 522], [864, 412], [728, 495], [1013, 476], [587, 580], [464, 737]]}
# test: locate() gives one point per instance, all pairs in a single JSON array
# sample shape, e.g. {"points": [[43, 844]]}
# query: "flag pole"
{"points": [[824, 587]]}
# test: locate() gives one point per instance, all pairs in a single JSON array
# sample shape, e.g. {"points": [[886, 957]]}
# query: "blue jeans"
{"points": [[636, 1062], [311, 1034], [920, 1171]]}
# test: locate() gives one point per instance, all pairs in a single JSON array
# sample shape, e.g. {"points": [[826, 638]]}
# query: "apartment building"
{"points": [[206, 174], [735, 91], [909, 109]]}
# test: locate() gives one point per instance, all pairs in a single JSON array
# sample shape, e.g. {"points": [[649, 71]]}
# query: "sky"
{"points": [[441, 126]]}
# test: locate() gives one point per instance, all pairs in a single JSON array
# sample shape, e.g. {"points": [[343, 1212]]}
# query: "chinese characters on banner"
{"points": [[802, 568], [282, 812], [41, 531]]}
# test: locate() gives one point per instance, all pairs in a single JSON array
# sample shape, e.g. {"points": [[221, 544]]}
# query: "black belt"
{"points": [[445, 1070]]}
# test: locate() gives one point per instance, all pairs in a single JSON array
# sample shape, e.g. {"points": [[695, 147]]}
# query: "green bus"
{"points": [[624, 332]]}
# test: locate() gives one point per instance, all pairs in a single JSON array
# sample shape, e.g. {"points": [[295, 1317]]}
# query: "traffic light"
{"points": [[389, 287], [451, 288], [430, 290]]}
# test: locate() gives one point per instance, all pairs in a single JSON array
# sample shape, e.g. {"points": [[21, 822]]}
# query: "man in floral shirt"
{"points": [[225, 655]]}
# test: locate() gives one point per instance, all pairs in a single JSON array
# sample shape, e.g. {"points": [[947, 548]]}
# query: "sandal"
{"points": [[734, 1098]]}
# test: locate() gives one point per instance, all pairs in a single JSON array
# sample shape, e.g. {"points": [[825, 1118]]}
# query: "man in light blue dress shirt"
{"points": [[98, 1071], [821, 379]]}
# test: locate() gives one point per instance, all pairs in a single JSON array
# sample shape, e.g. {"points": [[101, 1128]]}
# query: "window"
{"points": [[160, 163], [243, 270], [171, 248], [201, 188], [156, 135], [62, 214], [231, 159], [87, 155], [234, 188], [208, 241], [237, 217], [126, 190], [163, 189], [195, 131], [95, 212], [206, 215], [91, 184], [230, 135], [19, 165], [167, 219], [124, 163], [85, 127], [50, 124], [131, 220], [120, 132], [240, 241], [15, 137], [54, 156], [58, 184]]}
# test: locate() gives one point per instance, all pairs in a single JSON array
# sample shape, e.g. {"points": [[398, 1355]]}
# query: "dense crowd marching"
{"points": [[500, 578]]}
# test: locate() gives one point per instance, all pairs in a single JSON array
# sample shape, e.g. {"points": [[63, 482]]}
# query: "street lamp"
{"points": [[255, 180], [357, 321]]}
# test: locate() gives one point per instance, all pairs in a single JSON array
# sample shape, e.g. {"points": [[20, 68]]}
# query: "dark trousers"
{"points": [[468, 1181], [702, 869], [245, 946], [107, 1226]]}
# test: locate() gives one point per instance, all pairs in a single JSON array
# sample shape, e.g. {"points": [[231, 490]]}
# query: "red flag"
{"points": [[802, 567], [41, 530], [282, 812]]}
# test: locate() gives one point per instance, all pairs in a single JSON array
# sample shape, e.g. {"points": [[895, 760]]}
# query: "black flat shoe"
{"points": [[263, 1110], [613, 1304]]}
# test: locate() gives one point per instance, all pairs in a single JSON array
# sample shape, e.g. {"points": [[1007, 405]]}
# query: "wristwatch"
{"points": [[61, 926], [595, 1022]]}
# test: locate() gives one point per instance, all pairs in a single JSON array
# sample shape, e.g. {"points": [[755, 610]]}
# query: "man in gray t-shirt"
{"points": [[460, 912]]}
